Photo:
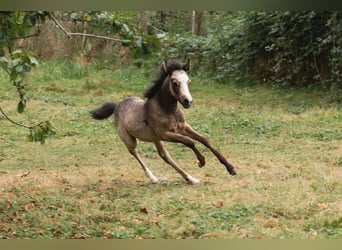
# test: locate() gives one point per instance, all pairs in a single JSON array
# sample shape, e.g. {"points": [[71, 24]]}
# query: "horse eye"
{"points": [[175, 84]]}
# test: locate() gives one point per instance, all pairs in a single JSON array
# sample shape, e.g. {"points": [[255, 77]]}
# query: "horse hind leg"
{"points": [[147, 171], [164, 154], [131, 144]]}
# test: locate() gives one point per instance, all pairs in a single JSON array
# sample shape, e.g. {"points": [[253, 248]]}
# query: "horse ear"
{"points": [[187, 66], [164, 66]]}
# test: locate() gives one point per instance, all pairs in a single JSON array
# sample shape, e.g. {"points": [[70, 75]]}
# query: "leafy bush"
{"points": [[285, 48]]}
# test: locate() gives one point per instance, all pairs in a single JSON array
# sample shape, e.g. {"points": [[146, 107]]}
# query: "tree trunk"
{"points": [[143, 21], [197, 22]]}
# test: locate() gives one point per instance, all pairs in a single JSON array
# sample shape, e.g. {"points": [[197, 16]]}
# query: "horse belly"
{"points": [[143, 132]]}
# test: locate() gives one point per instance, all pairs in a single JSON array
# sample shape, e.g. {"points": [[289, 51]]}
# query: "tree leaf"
{"points": [[4, 61], [217, 203], [21, 107], [33, 61], [74, 15]]}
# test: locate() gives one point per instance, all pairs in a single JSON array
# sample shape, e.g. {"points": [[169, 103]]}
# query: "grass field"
{"points": [[285, 144]]}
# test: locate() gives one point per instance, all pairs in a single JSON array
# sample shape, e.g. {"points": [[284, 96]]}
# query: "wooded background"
{"points": [[281, 48]]}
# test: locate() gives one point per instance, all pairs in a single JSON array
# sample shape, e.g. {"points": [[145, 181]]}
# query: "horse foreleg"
{"points": [[189, 131], [173, 137], [164, 154]]}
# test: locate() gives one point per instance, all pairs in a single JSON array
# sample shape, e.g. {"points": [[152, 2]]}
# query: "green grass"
{"points": [[285, 144]]}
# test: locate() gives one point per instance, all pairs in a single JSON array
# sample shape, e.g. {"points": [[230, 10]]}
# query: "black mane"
{"points": [[158, 82]]}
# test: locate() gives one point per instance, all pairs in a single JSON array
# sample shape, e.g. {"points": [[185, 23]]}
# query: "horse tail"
{"points": [[104, 111]]}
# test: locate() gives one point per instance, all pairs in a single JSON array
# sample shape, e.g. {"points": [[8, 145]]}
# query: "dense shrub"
{"points": [[285, 48]]}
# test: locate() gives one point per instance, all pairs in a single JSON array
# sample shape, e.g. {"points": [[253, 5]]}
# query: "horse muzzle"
{"points": [[186, 102]]}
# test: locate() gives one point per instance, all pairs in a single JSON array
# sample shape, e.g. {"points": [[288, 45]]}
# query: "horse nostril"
{"points": [[187, 103]]}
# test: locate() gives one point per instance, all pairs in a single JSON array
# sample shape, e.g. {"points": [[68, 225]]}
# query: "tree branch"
{"points": [[14, 122], [60, 26], [158, 30], [27, 36], [19, 124]]}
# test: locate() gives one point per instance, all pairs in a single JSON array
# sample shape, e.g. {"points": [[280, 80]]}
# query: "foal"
{"points": [[159, 119]]}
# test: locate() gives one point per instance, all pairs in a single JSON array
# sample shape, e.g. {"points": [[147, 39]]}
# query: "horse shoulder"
{"points": [[174, 122]]}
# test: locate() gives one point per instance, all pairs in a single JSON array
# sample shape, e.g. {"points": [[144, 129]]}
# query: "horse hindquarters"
{"points": [[130, 122], [130, 114]]}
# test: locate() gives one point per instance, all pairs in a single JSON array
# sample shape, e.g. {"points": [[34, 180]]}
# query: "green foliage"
{"points": [[16, 66], [296, 48], [103, 22], [122, 24], [174, 22], [16, 24], [16, 63], [283, 48], [41, 132]]}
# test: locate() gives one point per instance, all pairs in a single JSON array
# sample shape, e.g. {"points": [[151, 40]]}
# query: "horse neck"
{"points": [[165, 98]]}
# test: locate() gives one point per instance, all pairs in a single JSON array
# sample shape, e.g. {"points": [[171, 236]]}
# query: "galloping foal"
{"points": [[159, 119]]}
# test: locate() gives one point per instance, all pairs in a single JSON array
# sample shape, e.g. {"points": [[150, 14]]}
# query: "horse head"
{"points": [[179, 82]]}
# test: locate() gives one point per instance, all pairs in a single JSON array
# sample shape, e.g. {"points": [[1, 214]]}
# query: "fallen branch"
{"points": [[24, 174], [60, 26]]}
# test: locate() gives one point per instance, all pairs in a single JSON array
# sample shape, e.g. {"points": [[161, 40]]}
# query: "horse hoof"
{"points": [[232, 172], [154, 180], [192, 181], [201, 163]]}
